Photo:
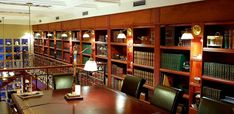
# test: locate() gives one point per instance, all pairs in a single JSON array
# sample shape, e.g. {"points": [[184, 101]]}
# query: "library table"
{"points": [[96, 100]]}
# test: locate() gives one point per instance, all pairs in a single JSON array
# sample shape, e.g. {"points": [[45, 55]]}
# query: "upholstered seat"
{"points": [[210, 106], [166, 98], [4, 108], [133, 86], [63, 81]]}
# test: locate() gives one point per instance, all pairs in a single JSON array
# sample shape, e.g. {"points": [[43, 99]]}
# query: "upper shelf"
{"points": [[143, 45], [175, 72], [175, 47], [219, 50], [143, 66], [118, 44], [219, 80]]}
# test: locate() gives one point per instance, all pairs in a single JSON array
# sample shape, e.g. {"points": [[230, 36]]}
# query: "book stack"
{"points": [[172, 61], [169, 36], [211, 93], [228, 38], [148, 76], [228, 99], [116, 83], [218, 70], [144, 58], [51, 44], [59, 45], [117, 70]]}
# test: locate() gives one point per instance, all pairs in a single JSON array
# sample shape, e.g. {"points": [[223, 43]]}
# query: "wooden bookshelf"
{"points": [[143, 66], [175, 48], [101, 56], [143, 45], [119, 61], [218, 50], [99, 42], [118, 44], [218, 80], [175, 72], [153, 26]]}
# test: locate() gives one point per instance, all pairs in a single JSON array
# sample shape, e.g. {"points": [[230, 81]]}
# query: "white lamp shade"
{"points": [[121, 35], [86, 35], [187, 36], [49, 35], [64, 35], [37, 34], [90, 65]]}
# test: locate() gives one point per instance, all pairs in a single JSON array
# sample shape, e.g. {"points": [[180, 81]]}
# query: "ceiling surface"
{"points": [[41, 11]]}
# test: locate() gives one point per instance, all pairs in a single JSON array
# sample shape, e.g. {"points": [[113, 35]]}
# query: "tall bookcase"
{"points": [[143, 54], [175, 59], [185, 64]]}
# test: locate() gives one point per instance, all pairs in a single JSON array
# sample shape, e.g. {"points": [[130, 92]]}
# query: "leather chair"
{"points": [[166, 98], [210, 106], [63, 81], [133, 86], [4, 108]]}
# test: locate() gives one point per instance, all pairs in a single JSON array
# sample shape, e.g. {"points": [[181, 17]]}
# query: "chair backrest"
{"points": [[210, 106], [166, 98], [63, 81], [133, 86]]}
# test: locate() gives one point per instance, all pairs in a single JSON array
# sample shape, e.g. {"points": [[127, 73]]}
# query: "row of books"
{"points": [[172, 61], [228, 39], [117, 70], [116, 83], [144, 58], [148, 76], [218, 70], [211, 93]]}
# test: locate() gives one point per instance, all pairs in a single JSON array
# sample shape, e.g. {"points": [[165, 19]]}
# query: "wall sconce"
{"points": [[87, 33], [37, 34], [49, 35], [121, 35], [64, 35], [186, 35]]}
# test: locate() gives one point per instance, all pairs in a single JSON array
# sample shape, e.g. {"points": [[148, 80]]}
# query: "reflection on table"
{"points": [[96, 100]]}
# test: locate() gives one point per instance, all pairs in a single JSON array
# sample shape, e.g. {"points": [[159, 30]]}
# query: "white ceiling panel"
{"points": [[47, 10]]}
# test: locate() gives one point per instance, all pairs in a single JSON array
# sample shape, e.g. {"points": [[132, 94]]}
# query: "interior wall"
{"points": [[12, 31]]}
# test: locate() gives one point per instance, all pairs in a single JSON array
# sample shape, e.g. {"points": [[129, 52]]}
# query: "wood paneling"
{"points": [[142, 17], [102, 22], [87, 23], [121, 20], [35, 27], [71, 25], [204, 11], [43, 27], [155, 15], [55, 26]]}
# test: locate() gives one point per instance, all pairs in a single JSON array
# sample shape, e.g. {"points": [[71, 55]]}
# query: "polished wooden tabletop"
{"points": [[97, 100]]}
